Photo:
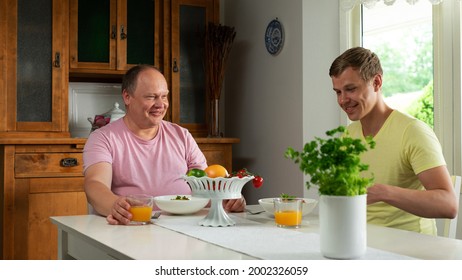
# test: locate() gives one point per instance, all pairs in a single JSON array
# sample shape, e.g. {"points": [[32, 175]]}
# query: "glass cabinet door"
{"points": [[189, 90], [93, 34], [114, 34], [40, 80], [139, 29]]}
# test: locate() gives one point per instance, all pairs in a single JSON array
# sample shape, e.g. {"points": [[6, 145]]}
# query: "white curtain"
{"points": [[349, 4]]}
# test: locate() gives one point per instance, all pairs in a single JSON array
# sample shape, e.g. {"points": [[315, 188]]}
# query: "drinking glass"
{"points": [[288, 212], [140, 208]]}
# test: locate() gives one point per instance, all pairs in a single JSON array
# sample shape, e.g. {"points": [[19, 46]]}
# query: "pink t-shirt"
{"points": [[152, 167]]}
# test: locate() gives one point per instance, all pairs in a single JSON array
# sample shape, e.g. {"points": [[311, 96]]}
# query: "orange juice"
{"points": [[288, 218], [141, 213]]}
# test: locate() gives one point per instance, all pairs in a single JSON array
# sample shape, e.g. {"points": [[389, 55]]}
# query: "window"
{"points": [[402, 36], [446, 52]]}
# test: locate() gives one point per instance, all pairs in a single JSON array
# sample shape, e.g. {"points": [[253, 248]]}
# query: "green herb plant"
{"points": [[334, 164]]}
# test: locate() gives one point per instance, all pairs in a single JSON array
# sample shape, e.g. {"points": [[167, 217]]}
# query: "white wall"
{"points": [[272, 102]]}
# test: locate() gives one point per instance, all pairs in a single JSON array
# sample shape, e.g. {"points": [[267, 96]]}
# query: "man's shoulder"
{"points": [[408, 122], [169, 126], [108, 133], [402, 117], [111, 129], [175, 131]]}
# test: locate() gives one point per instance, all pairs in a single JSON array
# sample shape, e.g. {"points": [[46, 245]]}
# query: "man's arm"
{"points": [[437, 201], [98, 178]]}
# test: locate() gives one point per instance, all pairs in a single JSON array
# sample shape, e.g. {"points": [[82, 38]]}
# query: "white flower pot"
{"points": [[342, 226]]}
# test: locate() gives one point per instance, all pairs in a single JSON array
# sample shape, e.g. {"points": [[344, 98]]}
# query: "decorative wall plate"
{"points": [[274, 37]]}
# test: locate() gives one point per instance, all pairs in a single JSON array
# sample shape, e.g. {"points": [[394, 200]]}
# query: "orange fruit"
{"points": [[216, 170]]}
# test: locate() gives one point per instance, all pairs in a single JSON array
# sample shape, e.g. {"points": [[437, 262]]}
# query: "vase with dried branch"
{"points": [[218, 42]]}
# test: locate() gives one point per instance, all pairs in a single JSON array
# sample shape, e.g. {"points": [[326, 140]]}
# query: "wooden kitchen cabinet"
{"points": [[40, 179], [76, 40], [33, 67], [218, 151], [111, 36], [41, 47]]}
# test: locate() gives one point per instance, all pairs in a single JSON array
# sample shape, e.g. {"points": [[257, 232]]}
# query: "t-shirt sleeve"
{"points": [[424, 148], [195, 157], [97, 149]]}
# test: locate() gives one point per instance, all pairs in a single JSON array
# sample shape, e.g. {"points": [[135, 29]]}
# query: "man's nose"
{"points": [[158, 102], [342, 98]]}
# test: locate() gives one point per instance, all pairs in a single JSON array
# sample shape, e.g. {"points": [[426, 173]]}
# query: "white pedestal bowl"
{"points": [[217, 189]]}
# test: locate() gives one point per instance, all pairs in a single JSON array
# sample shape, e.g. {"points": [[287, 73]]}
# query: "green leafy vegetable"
{"points": [[334, 163], [286, 196], [179, 197]]}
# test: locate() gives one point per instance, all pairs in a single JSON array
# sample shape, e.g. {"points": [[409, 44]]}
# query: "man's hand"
{"points": [[234, 205], [120, 214]]}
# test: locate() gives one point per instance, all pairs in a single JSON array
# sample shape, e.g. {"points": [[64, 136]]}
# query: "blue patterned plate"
{"points": [[274, 37]]}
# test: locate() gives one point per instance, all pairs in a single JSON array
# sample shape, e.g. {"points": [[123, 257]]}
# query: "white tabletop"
{"points": [[158, 242], [135, 242]]}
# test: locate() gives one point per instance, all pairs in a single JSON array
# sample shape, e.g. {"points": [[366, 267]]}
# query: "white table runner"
{"points": [[260, 240]]}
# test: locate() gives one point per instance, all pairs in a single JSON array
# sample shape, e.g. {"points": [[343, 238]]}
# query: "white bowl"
{"points": [[169, 204], [268, 205]]}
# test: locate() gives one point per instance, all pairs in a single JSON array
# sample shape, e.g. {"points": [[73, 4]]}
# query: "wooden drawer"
{"points": [[30, 165]]}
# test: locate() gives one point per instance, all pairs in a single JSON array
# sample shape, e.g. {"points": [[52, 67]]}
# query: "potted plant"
{"points": [[334, 165]]}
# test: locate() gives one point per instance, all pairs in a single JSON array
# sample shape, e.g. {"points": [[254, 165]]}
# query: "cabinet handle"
{"points": [[175, 66], [57, 62], [69, 162], [114, 32], [123, 35]]}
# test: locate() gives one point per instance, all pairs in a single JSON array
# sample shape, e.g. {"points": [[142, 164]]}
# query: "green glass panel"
{"points": [[93, 31], [192, 72], [140, 35], [34, 50]]}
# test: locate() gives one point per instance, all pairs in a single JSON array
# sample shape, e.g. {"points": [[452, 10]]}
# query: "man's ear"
{"points": [[377, 82], [126, 97]]}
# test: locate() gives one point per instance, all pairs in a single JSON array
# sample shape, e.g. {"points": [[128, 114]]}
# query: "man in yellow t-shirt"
{"points": [[412, 184]]}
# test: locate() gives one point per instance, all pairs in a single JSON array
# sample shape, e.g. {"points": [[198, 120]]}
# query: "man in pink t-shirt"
{"points": [[151, 167], [140, 153]]}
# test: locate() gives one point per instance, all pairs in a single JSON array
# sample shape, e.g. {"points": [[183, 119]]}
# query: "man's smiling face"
{"points": [[354, 95]]}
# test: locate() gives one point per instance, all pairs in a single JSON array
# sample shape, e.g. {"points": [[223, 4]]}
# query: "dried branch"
{"points": [[219, 40]]}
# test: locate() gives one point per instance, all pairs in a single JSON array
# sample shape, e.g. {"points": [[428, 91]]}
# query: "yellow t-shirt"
{"points": [[404, 147]]}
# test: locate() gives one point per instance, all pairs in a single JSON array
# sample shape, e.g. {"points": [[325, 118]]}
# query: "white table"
{"points": [[90, 237]]}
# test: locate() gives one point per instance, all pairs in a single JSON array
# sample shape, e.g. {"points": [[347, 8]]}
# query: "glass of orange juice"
{"points": [[140, 208], [288, 212]]}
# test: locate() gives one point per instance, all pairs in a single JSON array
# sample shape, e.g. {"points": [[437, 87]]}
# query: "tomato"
{"points": [[257, 181], [196, 172], [216, 170], [242, 173]]}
